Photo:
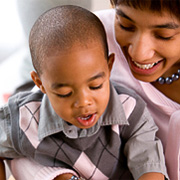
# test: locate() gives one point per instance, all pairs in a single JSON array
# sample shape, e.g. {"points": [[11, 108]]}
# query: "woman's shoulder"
{"points": [[105, 12], [106, 16]]}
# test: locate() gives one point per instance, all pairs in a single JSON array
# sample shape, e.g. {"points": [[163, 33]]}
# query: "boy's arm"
{"points": [[143, 149], [2, 170]]}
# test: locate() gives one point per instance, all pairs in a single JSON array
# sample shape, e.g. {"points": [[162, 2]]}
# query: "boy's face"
{"points": [[77, 84]]}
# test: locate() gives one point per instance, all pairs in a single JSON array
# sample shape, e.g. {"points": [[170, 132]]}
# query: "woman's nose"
{"points": [[141, 48], [83, 99]]}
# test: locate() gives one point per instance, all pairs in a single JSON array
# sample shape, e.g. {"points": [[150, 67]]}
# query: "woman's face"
{"points": [[150, 42]]}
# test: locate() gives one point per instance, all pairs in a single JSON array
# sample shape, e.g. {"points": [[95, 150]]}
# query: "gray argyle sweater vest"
{"points": [[101, 153]]}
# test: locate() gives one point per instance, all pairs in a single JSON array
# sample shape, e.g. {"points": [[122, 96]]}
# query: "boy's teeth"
{"points": [[144, 66], [85, 118]]}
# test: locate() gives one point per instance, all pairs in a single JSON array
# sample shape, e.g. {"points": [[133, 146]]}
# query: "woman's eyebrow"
{"points": [[122, 14], [170, 25]]}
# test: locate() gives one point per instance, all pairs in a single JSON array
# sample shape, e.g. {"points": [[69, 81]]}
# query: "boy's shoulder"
{"points": [[133, 105], [122, 89], [25, 97]]}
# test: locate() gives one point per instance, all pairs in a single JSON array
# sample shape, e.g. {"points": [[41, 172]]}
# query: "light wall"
{"points": [[100, 4]]}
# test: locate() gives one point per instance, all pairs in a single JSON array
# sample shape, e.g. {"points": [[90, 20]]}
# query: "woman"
{"points": [[145, 37]]}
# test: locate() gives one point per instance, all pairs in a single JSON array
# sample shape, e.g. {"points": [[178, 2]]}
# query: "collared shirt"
{"points": [[114, 114], [50, 123], [38, 121]]}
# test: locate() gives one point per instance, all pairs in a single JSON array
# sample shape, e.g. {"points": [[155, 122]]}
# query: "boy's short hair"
{"points": [[59, 28]]}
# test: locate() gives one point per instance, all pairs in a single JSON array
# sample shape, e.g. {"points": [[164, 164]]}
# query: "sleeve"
{"points": [[6, 147], [34, 171], [143, 149]]}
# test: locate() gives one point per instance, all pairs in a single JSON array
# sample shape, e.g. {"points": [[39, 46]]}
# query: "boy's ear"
{"points": [[111, 61], [37, 81]]}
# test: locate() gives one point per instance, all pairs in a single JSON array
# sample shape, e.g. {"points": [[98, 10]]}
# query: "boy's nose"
{"points": [[83, 99], [141, 48]]}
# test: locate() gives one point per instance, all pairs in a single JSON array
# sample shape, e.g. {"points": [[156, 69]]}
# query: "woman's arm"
{"points": [[2, 170], [153, 175], [36, 171], [64, 177], [68, 177]]}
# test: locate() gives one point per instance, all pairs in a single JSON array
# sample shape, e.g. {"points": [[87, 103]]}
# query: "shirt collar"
{"points": [[50, 123]]}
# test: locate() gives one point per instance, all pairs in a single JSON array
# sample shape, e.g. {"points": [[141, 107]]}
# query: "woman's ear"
{"points": [[37, 81], [111, 61], [112, 3]]}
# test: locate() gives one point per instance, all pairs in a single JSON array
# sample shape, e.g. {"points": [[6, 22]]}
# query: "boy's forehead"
{"points": [[76, 52], [75, 47], [81, 64]]}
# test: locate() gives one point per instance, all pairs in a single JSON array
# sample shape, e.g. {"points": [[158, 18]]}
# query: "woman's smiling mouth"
{"points": [[144, 66], [144, 69]]}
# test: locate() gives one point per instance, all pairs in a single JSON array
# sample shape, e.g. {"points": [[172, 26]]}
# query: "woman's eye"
{"points": [[127, 28], [96, 87], [64, 95], [165, 38]]}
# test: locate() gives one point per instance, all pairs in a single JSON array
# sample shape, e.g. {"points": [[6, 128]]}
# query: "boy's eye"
{"points": [[64, 95], [131, 29], [96, 87]]}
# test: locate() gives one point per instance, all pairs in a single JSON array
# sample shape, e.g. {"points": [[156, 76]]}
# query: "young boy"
{"points": [[79, 122]]}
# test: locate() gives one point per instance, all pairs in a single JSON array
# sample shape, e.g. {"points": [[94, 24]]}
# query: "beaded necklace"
{"points": [[169, 80]]}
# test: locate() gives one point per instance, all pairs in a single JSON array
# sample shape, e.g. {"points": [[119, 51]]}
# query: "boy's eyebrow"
{"points": [[99, 75], [59, 85], [170, 25]]}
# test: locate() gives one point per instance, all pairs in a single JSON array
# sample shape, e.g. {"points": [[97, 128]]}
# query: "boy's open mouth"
{"points": [[84, 118], [87, 120]]}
